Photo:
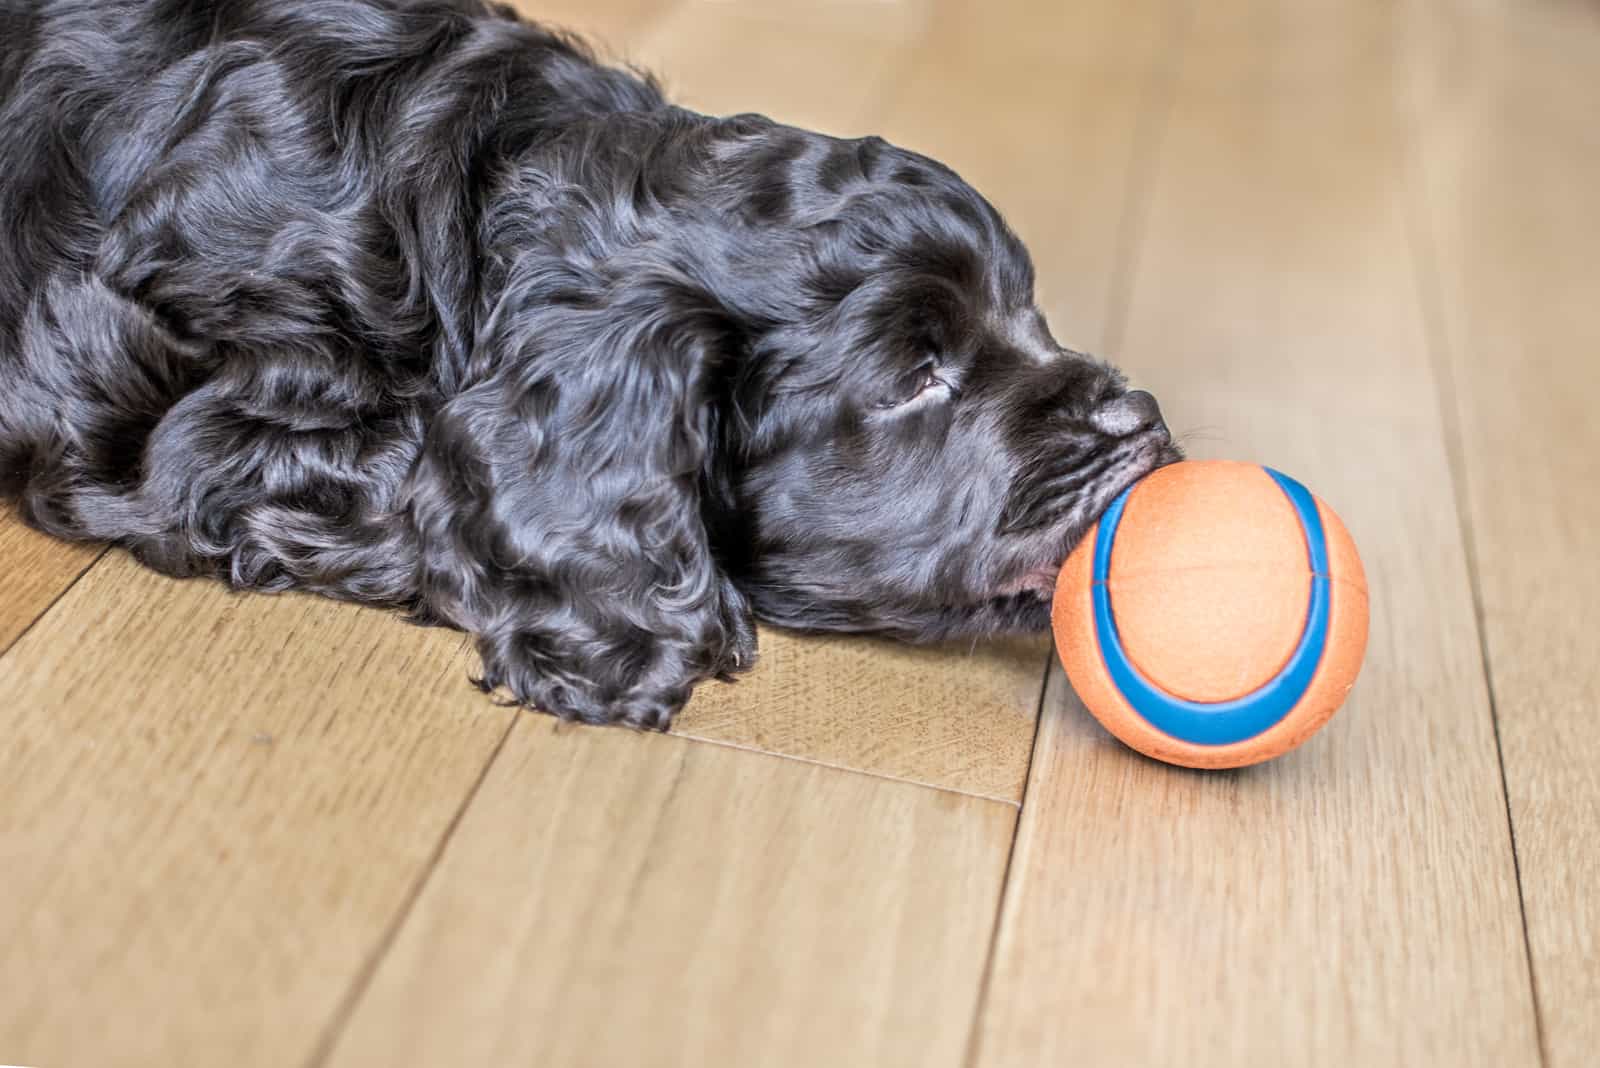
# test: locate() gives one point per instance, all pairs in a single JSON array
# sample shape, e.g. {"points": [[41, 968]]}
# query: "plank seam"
{"points": [[1428, 278], [882, 775], [369, 968], [975, 1030], [47, 609], [1154, 120], [1144, 164]]}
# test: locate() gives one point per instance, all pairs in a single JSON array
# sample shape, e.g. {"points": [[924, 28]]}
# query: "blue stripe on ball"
{"points": [[1221, 722]]}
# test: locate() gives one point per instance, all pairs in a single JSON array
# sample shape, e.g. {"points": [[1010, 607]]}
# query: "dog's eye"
{"points": [[913, 385]]}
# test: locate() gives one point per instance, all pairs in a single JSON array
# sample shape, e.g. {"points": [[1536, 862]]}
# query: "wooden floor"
{"points": [[1357, 238]]}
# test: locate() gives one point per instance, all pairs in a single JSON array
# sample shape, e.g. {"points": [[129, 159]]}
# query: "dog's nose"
{"points": [[1130, 413]]}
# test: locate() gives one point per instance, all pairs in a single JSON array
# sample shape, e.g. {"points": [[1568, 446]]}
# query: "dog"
{"points": [[417, 304]]}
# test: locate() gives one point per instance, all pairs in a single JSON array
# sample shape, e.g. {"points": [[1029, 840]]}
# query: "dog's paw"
{"points": [[641, 691]]}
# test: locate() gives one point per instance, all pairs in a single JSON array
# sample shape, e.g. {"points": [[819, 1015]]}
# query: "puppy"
{"points": [[413, 303]]}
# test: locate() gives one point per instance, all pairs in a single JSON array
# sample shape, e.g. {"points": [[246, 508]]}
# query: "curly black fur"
{"points": [[413, 303]]}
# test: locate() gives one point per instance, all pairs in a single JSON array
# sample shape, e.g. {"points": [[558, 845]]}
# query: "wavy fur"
{"points": [[413, 303]]}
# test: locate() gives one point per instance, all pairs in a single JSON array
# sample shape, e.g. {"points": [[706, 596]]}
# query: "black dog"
{"points": [[412, 303]]}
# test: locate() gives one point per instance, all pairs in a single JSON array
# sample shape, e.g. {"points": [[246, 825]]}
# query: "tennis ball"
{"points": [[1215, 617]]}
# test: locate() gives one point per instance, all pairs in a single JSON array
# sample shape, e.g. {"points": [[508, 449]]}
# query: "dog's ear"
{"points": [[558, 502]]}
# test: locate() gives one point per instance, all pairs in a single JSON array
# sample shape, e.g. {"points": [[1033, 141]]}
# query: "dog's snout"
{"points": [[1131, 413]]}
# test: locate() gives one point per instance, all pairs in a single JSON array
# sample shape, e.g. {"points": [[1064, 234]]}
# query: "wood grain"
{"points": [[612, 27], [1352, 902], [614, 899], [733, 56], [1509, 154], [211, 808], [34, 570], [1041, 106], [953, 716]]}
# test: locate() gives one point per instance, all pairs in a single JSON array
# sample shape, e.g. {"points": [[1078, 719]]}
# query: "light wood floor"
{"points": [[1356, 238]]}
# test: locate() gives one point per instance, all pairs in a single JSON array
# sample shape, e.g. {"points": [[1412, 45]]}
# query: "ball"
{"points": [[1215, 617]]}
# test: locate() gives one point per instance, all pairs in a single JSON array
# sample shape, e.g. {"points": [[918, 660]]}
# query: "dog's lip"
{"points": [[1041, 581], [1151, 451]]}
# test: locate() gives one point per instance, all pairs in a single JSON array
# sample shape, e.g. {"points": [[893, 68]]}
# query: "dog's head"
{"points": [[733, 368], [913, 452]]}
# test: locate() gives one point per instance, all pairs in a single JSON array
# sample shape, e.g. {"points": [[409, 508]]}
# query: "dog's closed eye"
{"points": [[925, 383]]}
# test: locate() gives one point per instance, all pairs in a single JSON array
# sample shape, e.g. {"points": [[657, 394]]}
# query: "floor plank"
{"points": [[614, 899], [1353, 902], [961, 718], [211, 808], [1510, 162], [34, 570], [1042, 106], [730, 56], [612, 26]]}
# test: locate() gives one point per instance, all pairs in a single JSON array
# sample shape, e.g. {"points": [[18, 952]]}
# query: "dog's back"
{"points": [[98, 98], [195, 189]]}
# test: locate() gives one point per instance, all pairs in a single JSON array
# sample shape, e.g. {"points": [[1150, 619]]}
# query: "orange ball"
{"points": [[1215, 617]]}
